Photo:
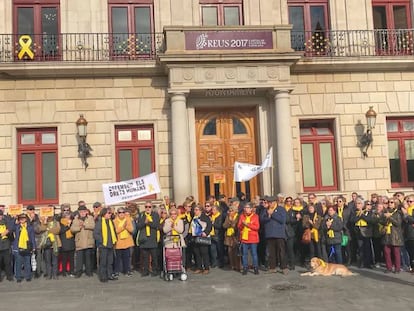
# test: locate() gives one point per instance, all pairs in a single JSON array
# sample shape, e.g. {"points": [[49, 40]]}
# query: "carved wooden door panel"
{"points": [[223, 138]]}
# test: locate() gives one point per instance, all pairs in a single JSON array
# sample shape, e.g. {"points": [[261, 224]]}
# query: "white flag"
{"points": [[246, 171]]}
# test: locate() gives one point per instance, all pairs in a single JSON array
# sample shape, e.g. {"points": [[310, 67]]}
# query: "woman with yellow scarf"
{"points": [[124, 229], [23, 246], [231, 239], [408, 212], [50, 244], [312, 221], [105, 236]]}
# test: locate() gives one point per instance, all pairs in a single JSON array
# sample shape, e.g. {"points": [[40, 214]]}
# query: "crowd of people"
{"points": [[271, 234]]}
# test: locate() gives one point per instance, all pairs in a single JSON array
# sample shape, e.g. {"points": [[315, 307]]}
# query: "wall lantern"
{"points": [[366, 139], [84, 150]]}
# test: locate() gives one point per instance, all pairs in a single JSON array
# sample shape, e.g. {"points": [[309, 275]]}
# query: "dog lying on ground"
{"points": [[320, 267]]}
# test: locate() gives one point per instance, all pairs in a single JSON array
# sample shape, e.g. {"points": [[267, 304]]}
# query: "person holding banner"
{"points": [[148, 226]]}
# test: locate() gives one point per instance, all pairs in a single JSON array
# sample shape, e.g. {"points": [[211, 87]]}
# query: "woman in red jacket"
{"points": [[249, 236]]}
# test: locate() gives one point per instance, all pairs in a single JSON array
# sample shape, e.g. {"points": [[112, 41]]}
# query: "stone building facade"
{"points": [[192, 110]]}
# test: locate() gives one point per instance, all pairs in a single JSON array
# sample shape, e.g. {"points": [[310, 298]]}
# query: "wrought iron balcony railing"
{"points": [[354, 43], [80, 47]]}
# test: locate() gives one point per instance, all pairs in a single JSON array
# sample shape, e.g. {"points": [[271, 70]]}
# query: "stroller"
{"points": [[172, 253]]}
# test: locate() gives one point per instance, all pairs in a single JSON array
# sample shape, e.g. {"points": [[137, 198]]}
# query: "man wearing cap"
{"points": [[148, 225], [273, 220], [23, 246], [82, 227], [34, 221], [5, 247]]}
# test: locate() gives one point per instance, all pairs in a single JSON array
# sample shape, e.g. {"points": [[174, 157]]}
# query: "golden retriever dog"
{"points": [[320, 267]]}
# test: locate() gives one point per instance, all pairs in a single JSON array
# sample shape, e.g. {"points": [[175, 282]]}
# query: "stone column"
{"points": [[285, 166], [180, 148]]}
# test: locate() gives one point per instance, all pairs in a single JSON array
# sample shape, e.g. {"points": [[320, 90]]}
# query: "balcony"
{"points": [[80, 47], [354, 43]]}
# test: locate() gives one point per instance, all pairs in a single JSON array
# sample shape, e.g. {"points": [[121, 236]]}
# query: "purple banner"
{"points": [[228, 40]]}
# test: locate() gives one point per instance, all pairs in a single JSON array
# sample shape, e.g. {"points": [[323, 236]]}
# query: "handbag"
{"points": [[306, 236], [202, 240], [345, 240]]}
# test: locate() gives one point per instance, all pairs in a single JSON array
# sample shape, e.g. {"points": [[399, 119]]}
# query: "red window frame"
{"points": [[220, 5], [316, 139], [401, 136], [37, 149], [130, 48], [134, 145], [38, 40], [308, 42], [389, 4]]}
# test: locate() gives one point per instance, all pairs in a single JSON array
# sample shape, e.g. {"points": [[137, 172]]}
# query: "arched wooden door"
{"points": [[224, 137]]}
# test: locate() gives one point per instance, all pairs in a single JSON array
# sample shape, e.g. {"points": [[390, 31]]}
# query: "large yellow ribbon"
{"points": [[246, 230], [230, 231], [3, 229], [105, 232], [147, 228], [24, 237], [361, 222], [25, 42], [213, 218]]}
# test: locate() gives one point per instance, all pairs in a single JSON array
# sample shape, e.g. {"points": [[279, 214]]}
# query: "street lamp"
{"points": [[366, 139], [84, 149]]}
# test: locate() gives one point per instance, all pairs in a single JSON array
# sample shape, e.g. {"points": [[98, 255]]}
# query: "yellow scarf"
{"points": [[410, 210], [24, 236], [158, 231], [230, 231], [388, 226], [314, 231], [175, 222], [68, 233], [3, 229], [331, 233], [361, 222], [297, 208], [213, 218], [340, 212], [105, 232], [246, 230], [147, 228], [124, 234], [288, 207]]}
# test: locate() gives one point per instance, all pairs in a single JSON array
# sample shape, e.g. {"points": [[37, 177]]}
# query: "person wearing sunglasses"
{"points": [[393, 237], [124, 229], [148, 226], [363, 224], [408, 218]]}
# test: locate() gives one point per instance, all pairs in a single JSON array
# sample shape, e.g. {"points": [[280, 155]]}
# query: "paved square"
{"points": [[220, 290]]}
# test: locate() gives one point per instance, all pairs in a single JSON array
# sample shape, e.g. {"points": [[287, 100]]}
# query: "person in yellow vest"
{"points": [[24, 245], [363, 224], [50, 244], [124, 229], [106, 238], [408, 212], [148, 226]]}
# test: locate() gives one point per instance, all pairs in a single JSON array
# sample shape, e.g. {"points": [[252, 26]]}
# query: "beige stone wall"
{"points": [[346, 97], [104, 103]]}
